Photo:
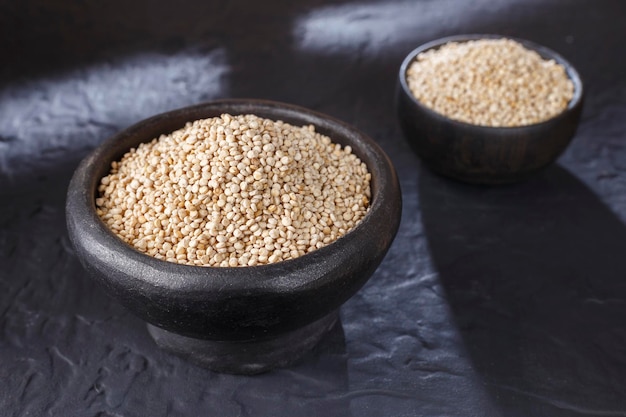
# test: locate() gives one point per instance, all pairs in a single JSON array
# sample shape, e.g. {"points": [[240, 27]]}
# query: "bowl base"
{"points": [[246, 357]]}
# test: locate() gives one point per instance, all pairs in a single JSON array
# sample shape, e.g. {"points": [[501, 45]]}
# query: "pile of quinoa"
{"points": [[234, 191], [490, 82]]}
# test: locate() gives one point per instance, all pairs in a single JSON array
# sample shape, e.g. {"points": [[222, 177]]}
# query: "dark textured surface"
{"points": [[491, 302]]}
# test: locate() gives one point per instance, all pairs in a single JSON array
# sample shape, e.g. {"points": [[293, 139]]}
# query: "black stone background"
{"points": [[507, 301]]}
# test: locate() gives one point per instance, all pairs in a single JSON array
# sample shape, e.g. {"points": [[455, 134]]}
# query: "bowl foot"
{"points": [[246, 357]]}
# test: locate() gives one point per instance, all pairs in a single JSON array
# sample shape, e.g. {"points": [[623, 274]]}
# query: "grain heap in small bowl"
{"points": [[490, 82], [235, 190], [485, 109]]}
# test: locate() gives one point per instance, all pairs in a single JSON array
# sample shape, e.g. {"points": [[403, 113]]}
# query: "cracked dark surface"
{"points": [[503, 301]]}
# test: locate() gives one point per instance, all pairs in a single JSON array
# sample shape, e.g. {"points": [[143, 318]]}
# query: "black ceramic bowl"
{"points": [[244, 319], [483, 154]]}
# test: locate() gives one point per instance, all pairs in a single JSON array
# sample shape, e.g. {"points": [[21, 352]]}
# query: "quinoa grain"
{"points": [[234, 191], [490, 82]]}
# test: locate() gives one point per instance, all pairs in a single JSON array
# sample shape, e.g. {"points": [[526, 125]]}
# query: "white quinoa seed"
{"points": [[234, 191], [490, 82]]}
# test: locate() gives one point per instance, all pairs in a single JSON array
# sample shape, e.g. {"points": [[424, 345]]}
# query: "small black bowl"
{"points": [[483, 154], [244, 319]]}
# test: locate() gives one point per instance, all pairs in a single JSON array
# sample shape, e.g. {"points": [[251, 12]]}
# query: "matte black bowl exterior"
{"points": [[241, 304], [482, 154]]}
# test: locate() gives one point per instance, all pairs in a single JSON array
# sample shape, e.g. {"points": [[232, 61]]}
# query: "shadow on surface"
{"points": [[316, 386], [534, 274], [41, 36]]}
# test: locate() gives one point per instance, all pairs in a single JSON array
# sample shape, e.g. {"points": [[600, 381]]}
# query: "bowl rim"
{"points": [[276, 277], [543, 51]]}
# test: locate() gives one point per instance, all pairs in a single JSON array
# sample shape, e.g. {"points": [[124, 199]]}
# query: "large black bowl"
{"points": [[483, 154], [242, 319]]}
